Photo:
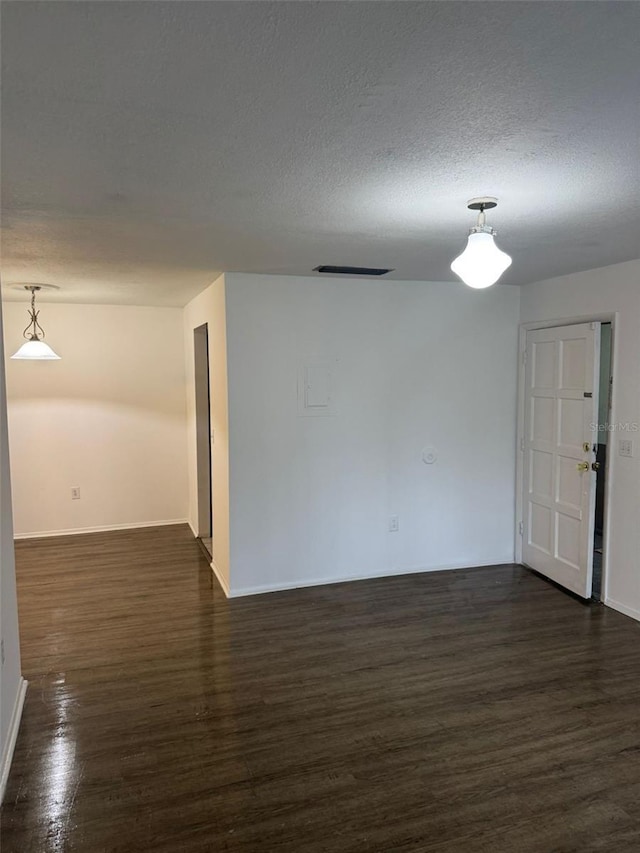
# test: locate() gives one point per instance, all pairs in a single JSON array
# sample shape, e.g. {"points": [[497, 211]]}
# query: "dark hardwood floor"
{"points": [[460, 712]]}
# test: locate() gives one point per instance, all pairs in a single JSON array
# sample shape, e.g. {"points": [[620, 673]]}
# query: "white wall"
{"points": [[602, 291], [209, 307], [11, 684], [416, 364], [110, 417]]}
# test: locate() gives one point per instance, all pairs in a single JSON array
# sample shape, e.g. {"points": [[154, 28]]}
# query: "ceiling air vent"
{"points": [[350, 270]]}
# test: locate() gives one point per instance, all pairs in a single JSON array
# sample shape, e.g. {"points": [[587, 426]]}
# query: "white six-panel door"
{"points": [[561, 407]]}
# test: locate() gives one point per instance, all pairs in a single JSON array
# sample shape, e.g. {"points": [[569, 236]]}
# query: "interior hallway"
{"points": [[460, 711]]}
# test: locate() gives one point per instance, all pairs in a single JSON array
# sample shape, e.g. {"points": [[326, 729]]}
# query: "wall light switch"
{"points": [[316, 386], [315, 395], [75, 493], [625, 447]]}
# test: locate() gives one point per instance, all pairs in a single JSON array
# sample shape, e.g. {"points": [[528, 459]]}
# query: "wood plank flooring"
{"points": [[477, 711]]}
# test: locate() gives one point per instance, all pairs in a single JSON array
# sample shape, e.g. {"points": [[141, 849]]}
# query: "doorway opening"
{"points": [[564, 416], [203, 436], [601, 443]]}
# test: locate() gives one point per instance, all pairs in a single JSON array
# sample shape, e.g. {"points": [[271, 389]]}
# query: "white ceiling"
{"points": [[148, 145]]}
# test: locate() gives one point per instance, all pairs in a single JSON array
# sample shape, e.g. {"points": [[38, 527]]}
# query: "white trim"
{"points": [[101, 528], [193, 530], [522, 348], [218, 576], [303, 584], [12, 735], [622, 608]]}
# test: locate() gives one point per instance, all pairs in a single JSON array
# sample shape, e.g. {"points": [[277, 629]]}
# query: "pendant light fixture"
{"points": [[482, 262], [34, 348]]}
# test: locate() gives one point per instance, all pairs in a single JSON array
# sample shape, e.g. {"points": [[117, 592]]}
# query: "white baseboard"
{"points": [[220, 579], [304, 583], [216, 572], [12, 736], [622, 608], [102, 528]]}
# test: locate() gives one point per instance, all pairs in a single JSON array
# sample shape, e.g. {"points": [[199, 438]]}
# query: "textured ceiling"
{"points": [[148, 145]]}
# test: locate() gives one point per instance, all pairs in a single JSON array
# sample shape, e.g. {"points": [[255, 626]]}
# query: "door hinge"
{"points": [[521, 528], [522, 444], [524, 356]]}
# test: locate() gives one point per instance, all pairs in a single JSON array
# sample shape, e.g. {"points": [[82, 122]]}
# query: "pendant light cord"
{"points": [[34, 331]]}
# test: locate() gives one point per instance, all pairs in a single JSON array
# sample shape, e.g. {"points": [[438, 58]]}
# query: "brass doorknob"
{"points": [[582, 466], [595, 466]]}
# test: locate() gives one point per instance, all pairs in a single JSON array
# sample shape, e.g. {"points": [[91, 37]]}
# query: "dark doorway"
{"points": [[602, 441], [203, 435]]}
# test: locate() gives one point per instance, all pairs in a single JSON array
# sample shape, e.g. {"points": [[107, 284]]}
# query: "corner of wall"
{"points": [[12, 685]]}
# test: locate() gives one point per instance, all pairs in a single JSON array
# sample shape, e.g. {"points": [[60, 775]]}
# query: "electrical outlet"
{"points": [[625, 447], [75, 493], [394, 524]]}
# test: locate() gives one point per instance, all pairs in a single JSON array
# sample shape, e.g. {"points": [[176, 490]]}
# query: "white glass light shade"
{"points": [[35, 350], [482, 262]]}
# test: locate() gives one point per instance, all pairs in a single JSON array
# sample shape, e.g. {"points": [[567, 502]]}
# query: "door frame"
{"points": [[605, 317], [204, 473]]}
